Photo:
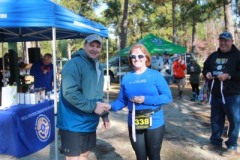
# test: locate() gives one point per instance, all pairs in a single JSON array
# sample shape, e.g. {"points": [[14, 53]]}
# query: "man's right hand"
{"points": [[101, 108]]}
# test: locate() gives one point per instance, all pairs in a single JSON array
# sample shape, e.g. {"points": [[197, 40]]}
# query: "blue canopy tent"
{"points": [[39, 20], [27, 20]]}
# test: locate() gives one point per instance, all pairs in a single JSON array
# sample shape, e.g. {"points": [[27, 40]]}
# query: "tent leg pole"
{"points": [[55, 87], [56, 140]]}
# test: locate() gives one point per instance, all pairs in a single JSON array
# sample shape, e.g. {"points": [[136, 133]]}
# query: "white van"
{"points": [[113, 67]]}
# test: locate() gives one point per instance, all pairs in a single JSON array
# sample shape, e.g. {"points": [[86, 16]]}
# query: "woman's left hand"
{"points": [[138, 99]]}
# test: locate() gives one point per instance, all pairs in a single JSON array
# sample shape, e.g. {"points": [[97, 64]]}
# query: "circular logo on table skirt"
{"points": [[43, 127]]}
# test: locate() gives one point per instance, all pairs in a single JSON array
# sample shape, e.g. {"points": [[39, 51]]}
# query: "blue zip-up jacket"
{"points": [[80, 90]]}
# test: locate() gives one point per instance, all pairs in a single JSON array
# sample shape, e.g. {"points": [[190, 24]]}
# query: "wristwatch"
{"points": [[229, 77]]}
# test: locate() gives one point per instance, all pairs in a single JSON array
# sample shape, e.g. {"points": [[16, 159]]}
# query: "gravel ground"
{"points": [[187, 129]]}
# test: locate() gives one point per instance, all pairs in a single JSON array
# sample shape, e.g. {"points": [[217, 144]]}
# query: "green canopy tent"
{"points": [[156, 45]]}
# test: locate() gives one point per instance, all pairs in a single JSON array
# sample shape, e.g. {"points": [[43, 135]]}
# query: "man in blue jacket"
{"points": [[79, 105]]}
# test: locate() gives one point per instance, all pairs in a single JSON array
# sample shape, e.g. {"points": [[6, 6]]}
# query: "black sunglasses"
{"points": [[135, 56]]}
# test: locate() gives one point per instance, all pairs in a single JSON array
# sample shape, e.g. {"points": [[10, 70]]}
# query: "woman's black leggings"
{"points": [[148, 143]]}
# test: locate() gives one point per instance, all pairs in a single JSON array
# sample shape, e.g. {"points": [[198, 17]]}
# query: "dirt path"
{"points": [[187, 129]]}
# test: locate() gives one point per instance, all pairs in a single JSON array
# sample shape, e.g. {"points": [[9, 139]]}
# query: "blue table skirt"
{"points": [[25, 129]]}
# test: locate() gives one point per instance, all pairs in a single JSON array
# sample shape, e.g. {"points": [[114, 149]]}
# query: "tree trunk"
{"points": [[123, 34], [173, 21], [117, 34], [228, 18], [194, 36], [237, 7]]}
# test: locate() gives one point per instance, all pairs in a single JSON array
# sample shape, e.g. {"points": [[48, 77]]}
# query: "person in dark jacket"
{"points": [[4, 65], [222, 70], [194, 70], [80, 100]]}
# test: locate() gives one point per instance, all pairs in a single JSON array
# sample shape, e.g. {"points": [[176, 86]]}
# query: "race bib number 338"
{"points": [[143, 121]]}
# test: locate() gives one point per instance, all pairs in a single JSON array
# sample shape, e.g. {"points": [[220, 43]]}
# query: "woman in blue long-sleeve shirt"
{"points": [[144, 91]]}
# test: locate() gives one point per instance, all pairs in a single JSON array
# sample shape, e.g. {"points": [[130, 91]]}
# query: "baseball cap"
{"points": [[93, 37], [225, 35], [166, 53], [176, 55]]}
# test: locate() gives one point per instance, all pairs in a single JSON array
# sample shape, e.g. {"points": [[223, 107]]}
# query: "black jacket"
{"points": [[194, 70], [218, 63]]}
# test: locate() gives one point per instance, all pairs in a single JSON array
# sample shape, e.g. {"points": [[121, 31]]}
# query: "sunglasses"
{"points": [[135, 56]]}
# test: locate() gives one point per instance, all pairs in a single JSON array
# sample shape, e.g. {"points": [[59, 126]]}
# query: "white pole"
{"points": [[108, 78], [55, 87]]}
